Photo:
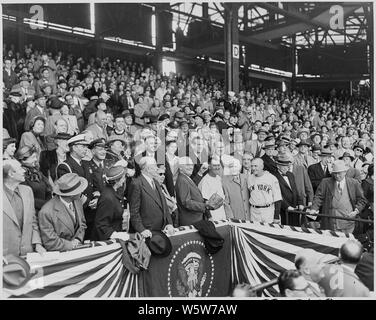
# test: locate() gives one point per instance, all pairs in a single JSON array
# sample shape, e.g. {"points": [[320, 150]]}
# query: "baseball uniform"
{"points": [[263, 192]]}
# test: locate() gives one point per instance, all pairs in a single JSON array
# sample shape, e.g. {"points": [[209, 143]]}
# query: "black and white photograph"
{"points": [[187, 150]]}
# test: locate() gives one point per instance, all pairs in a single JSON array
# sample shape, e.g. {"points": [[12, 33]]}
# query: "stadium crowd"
{"points": [[98, 149]]}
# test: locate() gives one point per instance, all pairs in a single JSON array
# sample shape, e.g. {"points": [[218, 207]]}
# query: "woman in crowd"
{"points": [[34, 178], [9, 148], [50, 159], [70, 120], [111, 206], [34, 137]]}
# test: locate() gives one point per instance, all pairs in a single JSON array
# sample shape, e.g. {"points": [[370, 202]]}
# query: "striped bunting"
{"points": [[260, 252], [86, 273]]}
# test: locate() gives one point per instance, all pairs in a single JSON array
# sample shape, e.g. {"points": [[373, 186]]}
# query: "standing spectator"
{"points": [[9, 76], [255, 146], [303, 158], [351, 172], [290, 196], [148, 207], [234, 185], [192, 206], [98, 128], [61, 220], [20, 226], [339, 196], [318, 171]]}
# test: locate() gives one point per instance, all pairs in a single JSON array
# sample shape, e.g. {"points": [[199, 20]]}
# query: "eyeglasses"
{"points": [[161, 174]]}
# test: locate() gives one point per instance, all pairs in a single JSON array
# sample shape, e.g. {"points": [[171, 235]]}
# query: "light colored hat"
{"points": [[78, 139], [231, 93], [70, 184], [339, 166]]}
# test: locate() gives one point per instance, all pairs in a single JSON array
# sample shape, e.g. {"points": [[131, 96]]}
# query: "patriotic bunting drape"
{"points": [[260, 252], [253, 253]]}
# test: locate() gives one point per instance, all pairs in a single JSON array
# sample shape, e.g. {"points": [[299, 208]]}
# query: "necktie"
{"points": [[152, 184], [339, 188], [73, 214]]}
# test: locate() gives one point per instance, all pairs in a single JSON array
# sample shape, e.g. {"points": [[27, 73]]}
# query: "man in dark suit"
{"points": [[127, 102], [290, 196], [74, 164], [339, 196], [148, 207], [319, 171], [268, 157], [192, 206], [199, 157], [9, 76]]}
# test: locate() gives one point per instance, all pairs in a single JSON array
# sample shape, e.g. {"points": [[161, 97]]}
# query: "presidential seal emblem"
{"points": [[191, 271]]}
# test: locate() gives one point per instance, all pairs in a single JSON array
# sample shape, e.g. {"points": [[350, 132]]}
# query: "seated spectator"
{"points": [[9, 148], [34, 178], [61, 220], [108, 222], [20, 227], [34, 137]]}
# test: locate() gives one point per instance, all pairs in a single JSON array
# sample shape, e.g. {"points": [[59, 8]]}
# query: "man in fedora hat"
{"points": [[61, 220], [268, 156], [339, 196], [24, 88], [291, 198], [303, 158], [40, 109], [320, 170], [255, 147], [351, 172], [20, 226]]}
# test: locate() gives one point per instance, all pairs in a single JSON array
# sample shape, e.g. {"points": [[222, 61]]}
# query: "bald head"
{"points": [[351, 251]]}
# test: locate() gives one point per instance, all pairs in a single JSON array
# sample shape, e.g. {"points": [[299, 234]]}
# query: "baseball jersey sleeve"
{"points": [[276, 189]]}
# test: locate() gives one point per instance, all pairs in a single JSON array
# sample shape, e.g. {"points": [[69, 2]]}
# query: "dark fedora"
{"points": [[347, 154], [212, 239], [112, 139], [159, 244], [16, 272], [303, 143], [164, 117], [262, 130], [62, 136]]}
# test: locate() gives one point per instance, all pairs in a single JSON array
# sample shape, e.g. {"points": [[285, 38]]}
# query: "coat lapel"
{"points": [[8, 210], [63, 215]]}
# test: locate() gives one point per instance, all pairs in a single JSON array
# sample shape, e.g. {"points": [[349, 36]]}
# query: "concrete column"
{"points": [[293, 63], [232, 48]]}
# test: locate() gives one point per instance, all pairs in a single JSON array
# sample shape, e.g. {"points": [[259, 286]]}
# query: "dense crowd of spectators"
{"points": [[116, 146]]}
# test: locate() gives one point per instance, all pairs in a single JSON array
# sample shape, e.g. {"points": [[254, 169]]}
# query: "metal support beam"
{"points": [[293, 62], [158, 45], [232, 50]]}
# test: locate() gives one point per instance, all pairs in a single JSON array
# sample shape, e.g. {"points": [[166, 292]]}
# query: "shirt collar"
{"points": [[75, 159], [65, 203], [148, 179]]}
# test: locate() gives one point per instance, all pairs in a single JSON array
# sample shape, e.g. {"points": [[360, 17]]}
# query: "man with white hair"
{"points": [[211, 184], [148, 207], [20, 227], [191, 204], [264, 191], [234, 185]]}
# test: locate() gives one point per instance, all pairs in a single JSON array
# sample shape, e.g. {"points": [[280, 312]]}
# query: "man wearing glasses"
{"points": [[292, 284]]}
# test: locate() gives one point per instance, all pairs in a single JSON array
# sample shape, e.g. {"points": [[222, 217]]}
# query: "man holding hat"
{"points": [[268, 157], [74, 163], [303, 158], [339, 196], [321, 170], [61, 220], [351, 172], [98, 128], [24, 88]]}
